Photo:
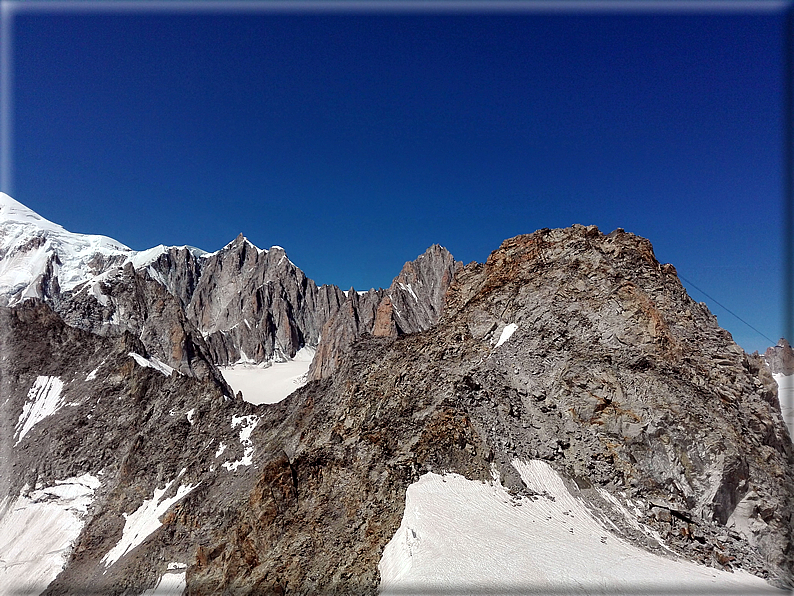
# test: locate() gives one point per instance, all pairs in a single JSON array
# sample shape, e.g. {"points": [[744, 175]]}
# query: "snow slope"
{"points": [[785, 393], [462, 536], [37, 531], [171, 583], [271, 384], [28, 243]]}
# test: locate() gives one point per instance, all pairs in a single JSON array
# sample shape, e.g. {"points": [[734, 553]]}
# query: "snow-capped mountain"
{"points": [[98, 284], [563, 417], [33, 248]]}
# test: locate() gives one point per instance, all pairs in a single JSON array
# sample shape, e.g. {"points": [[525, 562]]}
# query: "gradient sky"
{"points": [[357, 139]]}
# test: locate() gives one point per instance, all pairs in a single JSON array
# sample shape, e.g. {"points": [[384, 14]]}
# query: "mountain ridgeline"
{"points": [[127, 450], [241, 304]]}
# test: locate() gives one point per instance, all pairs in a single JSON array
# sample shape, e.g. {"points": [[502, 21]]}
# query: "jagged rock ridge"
{"points": [[239, 304], [569, 346]]}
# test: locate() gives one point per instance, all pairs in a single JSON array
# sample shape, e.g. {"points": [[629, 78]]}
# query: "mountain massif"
{"points": [[565, 401]]}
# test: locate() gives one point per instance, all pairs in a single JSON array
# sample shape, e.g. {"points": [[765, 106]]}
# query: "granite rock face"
{"points": [[570, 346], [132, 427], [239, 304], [256, 305], [412, 303], [780, 358]]}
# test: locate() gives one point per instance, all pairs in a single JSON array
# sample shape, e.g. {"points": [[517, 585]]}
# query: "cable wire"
{"points": [[718, 303]]}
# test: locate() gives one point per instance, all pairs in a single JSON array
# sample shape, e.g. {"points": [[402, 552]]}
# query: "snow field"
{"points": [[37, 531], [145, 520], [44, 399], [462, 536], [271, 384]]}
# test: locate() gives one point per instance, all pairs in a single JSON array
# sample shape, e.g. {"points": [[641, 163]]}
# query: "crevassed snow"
{"points": [[507, 332], [463, 536], [28, 242], [143, 522], [37, 532], [152, 363], [785, 393], [248, 424], [44, 399], [261, 384]]}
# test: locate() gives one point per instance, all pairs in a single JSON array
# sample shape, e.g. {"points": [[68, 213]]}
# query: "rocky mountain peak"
{"points": [[780, 358], [129, 463]]}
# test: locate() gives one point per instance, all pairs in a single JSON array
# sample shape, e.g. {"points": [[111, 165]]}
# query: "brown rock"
{"points": [[384, 320]]}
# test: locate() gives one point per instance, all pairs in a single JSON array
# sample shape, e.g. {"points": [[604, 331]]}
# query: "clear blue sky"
{"points": [[356, 140]]}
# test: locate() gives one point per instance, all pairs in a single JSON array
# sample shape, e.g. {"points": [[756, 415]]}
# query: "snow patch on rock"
{"points": [[171, 583], [507, 333], [152, 363], [145, 520], [248, 424], [785, 393], [44, 399]]}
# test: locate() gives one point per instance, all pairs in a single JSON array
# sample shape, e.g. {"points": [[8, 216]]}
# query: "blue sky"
{"points": [[357, 139]]}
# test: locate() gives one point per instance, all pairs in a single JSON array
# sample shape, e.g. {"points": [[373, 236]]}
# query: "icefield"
{"points": [[262, 384], [461, 536]]}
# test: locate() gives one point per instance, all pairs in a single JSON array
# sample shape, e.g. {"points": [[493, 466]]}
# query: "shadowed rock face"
{"points": [[570, 346]]}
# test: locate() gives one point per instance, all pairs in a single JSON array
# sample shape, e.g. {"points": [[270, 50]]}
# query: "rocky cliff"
{"points": [[412, 303], [568, 346], [780, 358], [241, 304]]}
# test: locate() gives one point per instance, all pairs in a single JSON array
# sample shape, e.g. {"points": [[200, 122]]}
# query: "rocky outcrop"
{"points": [[131, 301], [256, 305], [780, 358], [568, 346], [247, 304], [241, 304], [133, 427], [412, 303]]}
